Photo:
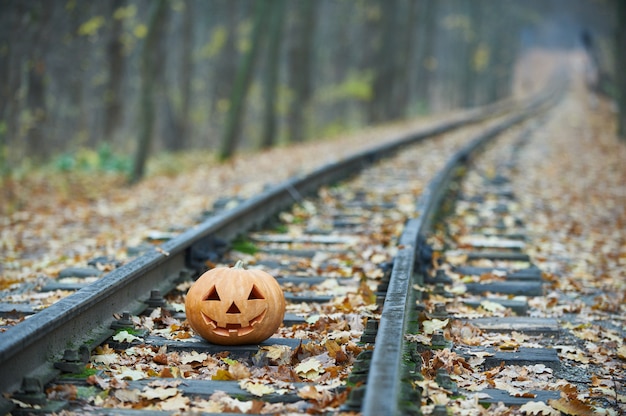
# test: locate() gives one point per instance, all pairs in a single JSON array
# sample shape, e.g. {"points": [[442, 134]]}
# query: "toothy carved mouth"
{"points": [[233, 330]]}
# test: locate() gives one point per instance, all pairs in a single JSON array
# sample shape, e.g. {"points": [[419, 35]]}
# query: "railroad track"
{"points": [[354, 262]]}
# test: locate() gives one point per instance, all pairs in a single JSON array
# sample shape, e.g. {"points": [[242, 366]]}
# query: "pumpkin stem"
{"points": [[239, 265]]}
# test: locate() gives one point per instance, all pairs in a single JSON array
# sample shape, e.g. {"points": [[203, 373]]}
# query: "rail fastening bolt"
{"points": [[444, 380], [440, 312], [156, 299], [72, 362], [31, 392], [442, 277], [440, 290], [355, 399], [440, 410], [124, 322], [438, 341]]}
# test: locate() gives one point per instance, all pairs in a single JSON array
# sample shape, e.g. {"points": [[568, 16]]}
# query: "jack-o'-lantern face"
{"points": [[239, 314], [235, 306]]}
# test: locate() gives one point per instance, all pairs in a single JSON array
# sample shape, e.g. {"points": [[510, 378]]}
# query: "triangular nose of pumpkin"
{"points": [[233, 309]]}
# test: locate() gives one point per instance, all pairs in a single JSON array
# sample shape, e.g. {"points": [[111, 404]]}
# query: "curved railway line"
{"points": [[361, 247]]}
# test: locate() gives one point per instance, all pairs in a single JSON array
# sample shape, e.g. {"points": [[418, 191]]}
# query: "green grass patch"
{"points": [[87, 372], [244, 246], [103, 159]]}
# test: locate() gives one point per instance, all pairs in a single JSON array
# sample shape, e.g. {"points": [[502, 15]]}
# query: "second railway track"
{"points": [[355, 262]]}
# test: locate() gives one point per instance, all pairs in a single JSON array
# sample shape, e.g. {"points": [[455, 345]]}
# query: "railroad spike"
{"points": [[156, 300], [71, 363], [355, 400], [31, 392], [440, 278], [443, 380], [440, 290], [440, 410], [125, 322], [439, 342], [440, 312]]}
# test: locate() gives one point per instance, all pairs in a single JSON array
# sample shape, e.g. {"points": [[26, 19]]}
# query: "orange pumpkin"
{"points": [[232, 305]]}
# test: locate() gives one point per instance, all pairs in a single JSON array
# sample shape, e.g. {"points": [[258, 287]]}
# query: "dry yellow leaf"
{"points": [[572, 407], [509, 345], [257, 389], [491, 306], [539, 408], [160, 393], [310, 368], [309, 392], [434, 325]]}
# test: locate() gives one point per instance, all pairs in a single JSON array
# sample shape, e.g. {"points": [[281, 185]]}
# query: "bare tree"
{"points": [[620, 63], [149, 71], [268, 137], [40, 14], [232, 128], [300, 65], [115, 60]]}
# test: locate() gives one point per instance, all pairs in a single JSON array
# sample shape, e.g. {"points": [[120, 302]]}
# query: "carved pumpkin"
{"points": [[232, 305]]}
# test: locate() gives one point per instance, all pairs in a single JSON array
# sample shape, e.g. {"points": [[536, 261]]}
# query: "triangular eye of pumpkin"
{"points": [[212, 295], [233, 308], [255, 294]]}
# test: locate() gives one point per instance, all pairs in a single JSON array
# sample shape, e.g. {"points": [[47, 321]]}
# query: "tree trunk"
{"points": [[380, 108], [149, 73], [9, 22], [268, 137], [235, 114], [300, 60], [186, 71], [226, 62], [620, 63], [400, 91], [177, 116], [426, 63], [115, 59], [36, 93]]}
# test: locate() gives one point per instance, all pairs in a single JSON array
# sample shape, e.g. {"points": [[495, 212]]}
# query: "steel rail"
{"points": [[30, 348], [384, 392]]}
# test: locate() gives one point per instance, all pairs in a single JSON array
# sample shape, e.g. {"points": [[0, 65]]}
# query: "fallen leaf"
{"points": [[165, 383], [572, 406], [160, 393], [578, 356], [506, 386], [491, 306], [539, 408], [278, 354], [223, 375], [509, 345], [105, 359], [310, 368], [178, 402], [257, 389], [434, 325], [481, 354], [193, 357], [127, 396], [126, 373], [419, 338], [125, 336], [160, 359], [207, 406], [238, 370], [309, 392]]}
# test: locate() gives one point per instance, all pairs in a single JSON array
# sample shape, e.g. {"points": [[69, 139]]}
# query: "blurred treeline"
{"points": [[133, 77]]}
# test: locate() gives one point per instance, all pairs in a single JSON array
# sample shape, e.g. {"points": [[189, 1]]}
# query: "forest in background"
{"points": [[130, 78]]}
